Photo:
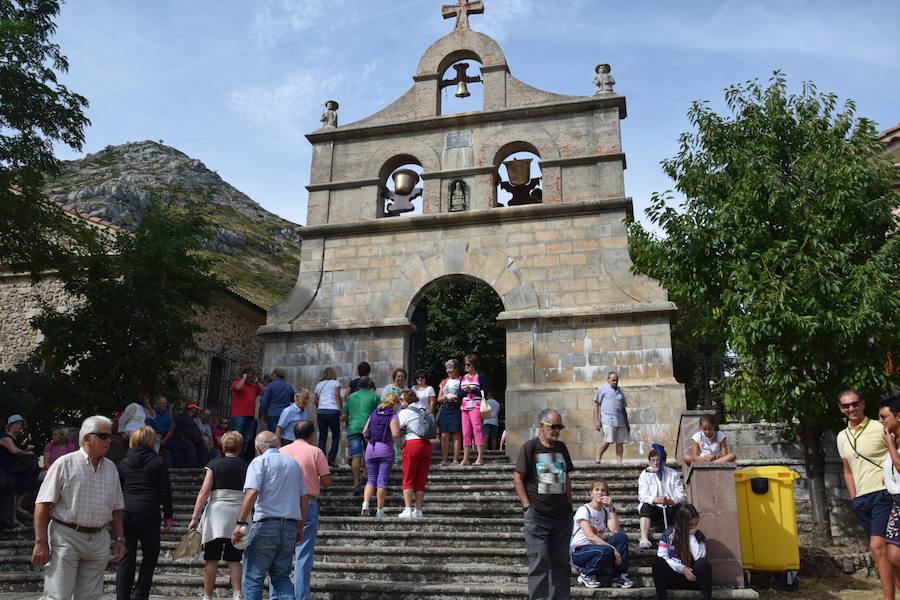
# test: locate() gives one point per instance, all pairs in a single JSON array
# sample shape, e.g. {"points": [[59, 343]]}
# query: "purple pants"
{"points": [[379, 469]]}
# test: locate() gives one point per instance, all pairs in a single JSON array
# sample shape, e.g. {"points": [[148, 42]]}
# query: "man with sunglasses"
{"points": [[542, 483], [862, 448], [80, 495]]}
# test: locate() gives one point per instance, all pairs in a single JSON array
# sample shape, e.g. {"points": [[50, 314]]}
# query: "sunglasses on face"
{"points": [[850, 404], [101, 435], [554, 426]]}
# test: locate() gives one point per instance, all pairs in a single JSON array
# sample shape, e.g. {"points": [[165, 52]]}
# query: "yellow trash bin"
{"points": [[767, 518]]}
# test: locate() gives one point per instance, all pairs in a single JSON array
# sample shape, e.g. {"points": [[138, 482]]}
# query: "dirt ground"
{"points": [[841, 587]]}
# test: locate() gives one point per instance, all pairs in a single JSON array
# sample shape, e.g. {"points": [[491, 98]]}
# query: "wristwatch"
{"points": [[120, 539], [241, 523]]}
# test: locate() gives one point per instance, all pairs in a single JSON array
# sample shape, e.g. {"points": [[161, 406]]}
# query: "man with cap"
{"points": [[80, 496], [188, 439], [15, 484]]}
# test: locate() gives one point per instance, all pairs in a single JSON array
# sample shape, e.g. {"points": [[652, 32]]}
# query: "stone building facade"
{"points": [[228, 343], [572, 309]]}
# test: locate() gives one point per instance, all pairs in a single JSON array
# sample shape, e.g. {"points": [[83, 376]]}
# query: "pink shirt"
{"points": [[312, 462], [56, 451]]}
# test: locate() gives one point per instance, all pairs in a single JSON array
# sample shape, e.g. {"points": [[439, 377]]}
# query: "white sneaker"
{"points": [[237, 595], [645, 544], [418, 514], [588, 581], [407, 513], [365, 510], [379, 514]]}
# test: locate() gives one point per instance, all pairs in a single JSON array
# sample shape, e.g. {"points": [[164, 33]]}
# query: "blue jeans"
{"points": [[246, 426], [329, 419], [272, 422], [595, 559], [303, 552], [270, 549]]}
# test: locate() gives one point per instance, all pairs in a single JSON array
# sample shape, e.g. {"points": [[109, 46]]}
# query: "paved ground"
{"points": [[830, 588]]}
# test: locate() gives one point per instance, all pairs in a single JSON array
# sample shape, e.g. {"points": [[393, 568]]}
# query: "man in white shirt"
{"points": [[81, 494]]}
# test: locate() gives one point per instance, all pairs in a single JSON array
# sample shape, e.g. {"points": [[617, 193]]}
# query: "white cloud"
{"points": [[289, 108], [275, 19]]}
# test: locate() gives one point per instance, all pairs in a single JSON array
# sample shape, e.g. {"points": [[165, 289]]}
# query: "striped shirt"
{"points": [[80, 494]]}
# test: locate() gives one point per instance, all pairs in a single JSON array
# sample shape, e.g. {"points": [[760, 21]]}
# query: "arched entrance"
{"points": [[455, 316]]}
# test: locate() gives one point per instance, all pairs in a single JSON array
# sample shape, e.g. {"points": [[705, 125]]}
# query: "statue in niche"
{"points": [[603, 80], [459, 196], [330, 117]]}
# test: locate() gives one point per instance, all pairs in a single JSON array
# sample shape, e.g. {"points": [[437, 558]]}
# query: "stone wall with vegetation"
{"points": [[20, 300]]}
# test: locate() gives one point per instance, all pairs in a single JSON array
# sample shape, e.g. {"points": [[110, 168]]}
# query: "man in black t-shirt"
{"points": [[545, 491]]}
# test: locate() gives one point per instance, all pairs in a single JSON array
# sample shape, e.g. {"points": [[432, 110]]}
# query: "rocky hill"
{"points": [[258, 251]]}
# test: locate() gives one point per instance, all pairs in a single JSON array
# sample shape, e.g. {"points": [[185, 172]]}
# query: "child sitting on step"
{"points": [[680, 562], [589, 550], [709, 444]]}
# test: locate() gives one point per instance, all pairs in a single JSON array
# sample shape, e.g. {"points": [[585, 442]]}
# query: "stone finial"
{"points": [[330, 117], [603, 80], [461, 11]]}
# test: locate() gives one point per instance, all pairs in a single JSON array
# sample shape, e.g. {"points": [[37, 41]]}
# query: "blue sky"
{"points": [[236, 84]]}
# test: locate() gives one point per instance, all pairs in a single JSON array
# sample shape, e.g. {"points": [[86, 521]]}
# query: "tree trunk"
{"points": [[810, 437]]}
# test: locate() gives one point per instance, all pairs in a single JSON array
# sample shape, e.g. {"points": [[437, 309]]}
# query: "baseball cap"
{"points": [[14, 419], [192, 405]]}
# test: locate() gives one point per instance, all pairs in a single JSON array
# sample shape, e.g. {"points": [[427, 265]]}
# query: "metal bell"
{"points": [[518, 170], [404, 181], [462, 90]]}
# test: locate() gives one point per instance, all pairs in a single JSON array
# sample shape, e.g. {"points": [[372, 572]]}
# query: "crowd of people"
{"points": [[260, 516]]}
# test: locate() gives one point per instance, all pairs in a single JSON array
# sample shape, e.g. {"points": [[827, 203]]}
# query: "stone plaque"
{"points": [[459, 139]]}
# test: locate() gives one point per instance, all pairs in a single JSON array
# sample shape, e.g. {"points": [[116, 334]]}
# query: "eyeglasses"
{"points": [[554, 426], [850, 404], [101, 435]]}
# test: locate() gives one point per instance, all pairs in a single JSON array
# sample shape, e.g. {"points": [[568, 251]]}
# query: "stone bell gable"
{"points": [[558, 260]]}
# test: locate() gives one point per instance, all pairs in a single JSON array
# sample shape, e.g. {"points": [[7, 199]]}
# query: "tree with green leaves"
{"points": [[36, 112], [459, 318], [135, 323], [785, 243]]}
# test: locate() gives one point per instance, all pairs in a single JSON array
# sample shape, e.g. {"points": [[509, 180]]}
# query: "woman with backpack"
{"points": [[382, 431], [414, 426]]}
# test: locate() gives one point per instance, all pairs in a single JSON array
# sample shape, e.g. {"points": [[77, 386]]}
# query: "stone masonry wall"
{"points": [[20, 301]]}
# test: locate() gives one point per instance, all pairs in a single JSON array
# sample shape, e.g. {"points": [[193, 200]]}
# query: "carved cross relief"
{"points": [[461, 11]]}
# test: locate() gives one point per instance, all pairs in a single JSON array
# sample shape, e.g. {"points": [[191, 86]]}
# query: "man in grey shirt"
{"points": [[611, 416]]}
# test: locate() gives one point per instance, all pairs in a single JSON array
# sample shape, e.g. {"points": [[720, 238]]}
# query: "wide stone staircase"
{"points": [[468, 545]]}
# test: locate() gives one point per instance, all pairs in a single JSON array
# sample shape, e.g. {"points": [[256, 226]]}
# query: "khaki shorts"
{"points": [[613, 434]]}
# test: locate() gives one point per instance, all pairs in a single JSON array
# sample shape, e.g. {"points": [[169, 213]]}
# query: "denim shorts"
{"points": [[873, 511], [356, 445]]}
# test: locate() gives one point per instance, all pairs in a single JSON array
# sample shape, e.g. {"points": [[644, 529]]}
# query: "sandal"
{"points": [[478, 463]]}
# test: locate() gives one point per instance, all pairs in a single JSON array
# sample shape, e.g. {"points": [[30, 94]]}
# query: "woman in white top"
{"points": [[709, 444], [135, 415], [328, 412], [416, 455], [889, 415], [425, 396]]}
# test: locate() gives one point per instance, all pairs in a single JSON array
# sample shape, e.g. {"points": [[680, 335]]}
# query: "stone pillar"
{"points": [[710, 488]]}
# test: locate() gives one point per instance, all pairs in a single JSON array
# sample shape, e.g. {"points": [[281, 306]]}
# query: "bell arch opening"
{"points": [[517, 175], [455, 316], [401, 187], [461, 88]]}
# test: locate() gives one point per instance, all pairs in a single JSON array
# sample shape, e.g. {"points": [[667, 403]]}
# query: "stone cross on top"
{"points": [[461, 12]]}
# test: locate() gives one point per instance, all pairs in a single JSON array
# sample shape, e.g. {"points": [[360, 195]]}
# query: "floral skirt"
{"points": [[893, 527]]}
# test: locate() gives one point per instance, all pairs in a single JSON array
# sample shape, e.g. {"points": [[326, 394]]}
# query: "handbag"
{"points": [[486, 411], [189, 545], [26, 463]]}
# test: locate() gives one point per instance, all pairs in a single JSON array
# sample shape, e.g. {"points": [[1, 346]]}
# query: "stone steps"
{"points": [[470, 544]]}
